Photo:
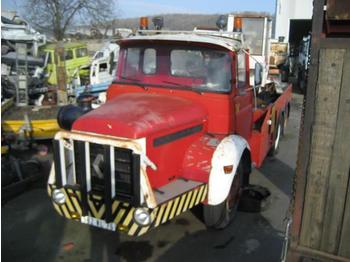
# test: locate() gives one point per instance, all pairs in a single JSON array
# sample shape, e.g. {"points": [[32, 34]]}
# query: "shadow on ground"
{"points": [[279, 174], [256, 240], [27, 234]]}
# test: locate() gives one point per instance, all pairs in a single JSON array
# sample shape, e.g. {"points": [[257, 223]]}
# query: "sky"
{"points": [[137, 8]]}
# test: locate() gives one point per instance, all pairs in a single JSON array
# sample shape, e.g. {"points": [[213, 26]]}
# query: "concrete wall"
{"points": [[290, 9]]}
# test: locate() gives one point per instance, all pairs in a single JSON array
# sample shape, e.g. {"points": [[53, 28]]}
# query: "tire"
{"points": [[285, 118], [279, 132], [4, 49], [220, 216], [283, 124]]}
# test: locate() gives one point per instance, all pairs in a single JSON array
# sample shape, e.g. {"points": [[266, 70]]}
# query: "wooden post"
{"points": [[342, 159], [322, 148], [61, 74], [321, 205]]}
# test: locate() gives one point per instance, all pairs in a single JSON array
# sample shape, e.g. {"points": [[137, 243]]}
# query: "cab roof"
{"points": [[226, 42], [68, 45]]}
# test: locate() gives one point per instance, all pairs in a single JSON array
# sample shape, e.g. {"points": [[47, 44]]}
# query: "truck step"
{"points": [[174, 189]]}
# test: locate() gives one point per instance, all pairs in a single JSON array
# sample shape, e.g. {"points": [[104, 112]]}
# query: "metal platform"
{"points": [[175, 188]]}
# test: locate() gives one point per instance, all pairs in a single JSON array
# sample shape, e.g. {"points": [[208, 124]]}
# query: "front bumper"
{"points": [[122, 212], [105, 204]]}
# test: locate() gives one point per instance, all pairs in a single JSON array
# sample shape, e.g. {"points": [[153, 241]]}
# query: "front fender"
{"points": [[228, 152]]}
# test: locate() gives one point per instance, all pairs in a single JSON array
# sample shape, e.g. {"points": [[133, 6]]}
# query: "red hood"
{"points": [[139, 115]]}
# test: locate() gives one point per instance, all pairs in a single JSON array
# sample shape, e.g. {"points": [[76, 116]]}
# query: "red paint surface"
{"points": [[197, 160], [146, 111], [218, 106], [138, 115], [261, 141], [169, 158]]}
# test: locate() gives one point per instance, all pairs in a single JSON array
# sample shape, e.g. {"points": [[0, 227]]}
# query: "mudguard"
{"points": [[228, 152]]}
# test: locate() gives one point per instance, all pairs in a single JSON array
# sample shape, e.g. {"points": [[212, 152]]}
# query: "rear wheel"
{"points": [[279, 132], [284, 121], [221, 215]]}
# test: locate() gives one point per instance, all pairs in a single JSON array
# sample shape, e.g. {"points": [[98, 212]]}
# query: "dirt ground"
{"points": [[33, 231]]}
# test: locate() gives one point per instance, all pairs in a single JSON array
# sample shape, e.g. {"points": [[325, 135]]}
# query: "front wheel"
{"points": [[221, 215]]}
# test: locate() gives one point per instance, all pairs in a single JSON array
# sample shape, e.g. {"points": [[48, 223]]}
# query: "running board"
{"points": [[174, 189]]}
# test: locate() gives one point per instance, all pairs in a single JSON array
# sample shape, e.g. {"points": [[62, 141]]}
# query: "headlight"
{"points": [[58, 197], [142, 217]]}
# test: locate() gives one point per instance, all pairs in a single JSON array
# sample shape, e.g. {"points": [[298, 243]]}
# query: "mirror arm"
{"points": [[255, 97]]}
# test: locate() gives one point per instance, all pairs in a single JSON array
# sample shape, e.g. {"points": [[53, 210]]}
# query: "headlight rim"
{"points": [[54, 198], [145, 210]]}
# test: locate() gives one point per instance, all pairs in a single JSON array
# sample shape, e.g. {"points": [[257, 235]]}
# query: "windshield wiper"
{"points": [[181, 85], [136, 82], [130, 78]]}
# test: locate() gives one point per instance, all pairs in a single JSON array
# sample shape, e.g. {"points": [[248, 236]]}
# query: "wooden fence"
{"points": [[321, 215]]}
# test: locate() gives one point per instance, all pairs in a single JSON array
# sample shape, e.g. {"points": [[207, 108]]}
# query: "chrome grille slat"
{"points": [[112, 171], [87, 164], [74, 166], [63, 163]]}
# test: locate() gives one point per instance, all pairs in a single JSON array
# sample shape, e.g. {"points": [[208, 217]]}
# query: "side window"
{"points": [[103, 67], [81, 52], [47, 57], [98, 55], [241, 70], [149, 61], [50, 58], [132, 60], [68, 54]]}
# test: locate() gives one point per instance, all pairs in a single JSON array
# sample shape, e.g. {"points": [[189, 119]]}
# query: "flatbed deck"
{"points": [[41, 120], [33, 112]]}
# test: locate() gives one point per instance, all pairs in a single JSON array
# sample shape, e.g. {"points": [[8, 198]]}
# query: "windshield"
{"points": [[201, 69]]}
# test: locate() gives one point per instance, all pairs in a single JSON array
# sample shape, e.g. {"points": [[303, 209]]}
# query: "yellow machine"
{"points": [[29, 122], [39, 122], [76, 60]]}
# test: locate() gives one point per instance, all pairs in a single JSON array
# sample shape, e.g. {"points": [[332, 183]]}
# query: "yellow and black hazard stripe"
{"points": [[122, 213]]}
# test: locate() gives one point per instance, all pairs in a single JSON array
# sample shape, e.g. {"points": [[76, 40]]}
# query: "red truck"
{"points": [[182, 126]]}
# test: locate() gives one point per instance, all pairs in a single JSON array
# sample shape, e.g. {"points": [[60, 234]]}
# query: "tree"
{"points": [[58, 15]]}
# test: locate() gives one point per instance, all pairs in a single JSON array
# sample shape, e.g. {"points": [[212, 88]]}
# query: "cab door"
{"points": [[243, 98]]}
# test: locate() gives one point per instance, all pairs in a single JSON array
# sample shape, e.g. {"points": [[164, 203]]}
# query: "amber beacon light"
{"points": [[238, 24], [143, 23]]}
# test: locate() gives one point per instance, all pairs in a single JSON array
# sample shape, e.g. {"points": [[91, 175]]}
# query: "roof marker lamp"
{"points": [[237, 26], [221, 23], [144, 23], [158, 22]]}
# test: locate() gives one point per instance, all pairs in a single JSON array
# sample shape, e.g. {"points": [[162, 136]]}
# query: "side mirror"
{"points": [[258, 74]]}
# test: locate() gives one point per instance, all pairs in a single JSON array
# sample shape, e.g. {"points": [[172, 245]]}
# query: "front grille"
{"points": [[97, 167], [123, 169], [112, 172]]}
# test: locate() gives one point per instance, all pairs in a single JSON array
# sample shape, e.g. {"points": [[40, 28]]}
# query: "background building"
{"points": [[293, 19]]}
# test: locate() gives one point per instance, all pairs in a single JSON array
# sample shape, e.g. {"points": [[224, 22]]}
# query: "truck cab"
{"points": [[181, 127], [75, 59], [104, 64]]}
